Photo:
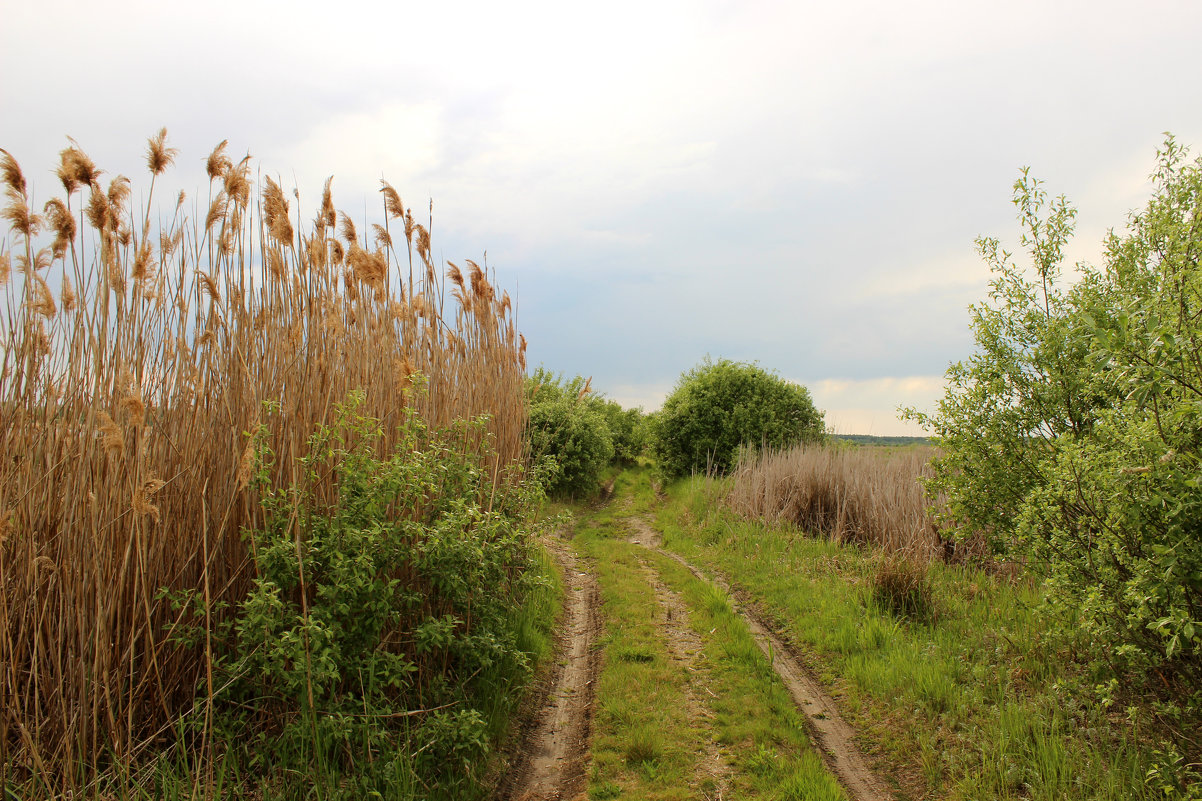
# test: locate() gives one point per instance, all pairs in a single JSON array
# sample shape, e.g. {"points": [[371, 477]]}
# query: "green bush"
{"points": [[628, 430], [569, 427], [380, 635], [581, 432], [718, 407], [1073, 436]]}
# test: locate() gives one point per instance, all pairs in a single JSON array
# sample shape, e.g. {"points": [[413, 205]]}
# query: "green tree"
{"points": [[1073, 436], [568, 425], [1026, 385], [720, 406], [628, 429]]}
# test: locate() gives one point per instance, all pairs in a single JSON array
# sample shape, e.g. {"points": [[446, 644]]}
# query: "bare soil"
{"points": [[834, 737], [641, 533], [552, 762]]}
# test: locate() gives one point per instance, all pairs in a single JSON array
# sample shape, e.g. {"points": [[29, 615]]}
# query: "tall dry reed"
{"points": [[862, 495], [134, 358]]}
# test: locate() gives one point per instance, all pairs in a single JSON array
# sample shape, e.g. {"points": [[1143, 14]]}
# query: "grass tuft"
{"points": [[901, 587], [644, 746]]}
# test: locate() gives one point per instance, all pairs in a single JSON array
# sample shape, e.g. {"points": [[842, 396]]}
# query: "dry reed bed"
{"points": [[134, 359], [861, 495]]}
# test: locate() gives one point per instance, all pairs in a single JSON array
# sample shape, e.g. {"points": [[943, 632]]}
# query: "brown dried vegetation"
{"points": [[124, 415], [870, 496]]}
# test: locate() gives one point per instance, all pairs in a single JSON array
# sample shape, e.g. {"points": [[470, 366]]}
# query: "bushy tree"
{"points": [[1027, 384], [719, 406], [1073, 436], [569, 426], [628, 428]]}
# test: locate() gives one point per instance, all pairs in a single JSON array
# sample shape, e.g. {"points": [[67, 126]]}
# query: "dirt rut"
{"points": [[554, 755], [835, 738]]}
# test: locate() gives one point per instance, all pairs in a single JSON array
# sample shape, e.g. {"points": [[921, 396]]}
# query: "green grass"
{"points": [[646, 744], [755, 715], [533, 625], [972, 701], [641, 735]]}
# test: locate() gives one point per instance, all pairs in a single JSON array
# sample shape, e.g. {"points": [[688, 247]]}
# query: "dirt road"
{"points": [[552, 764]]}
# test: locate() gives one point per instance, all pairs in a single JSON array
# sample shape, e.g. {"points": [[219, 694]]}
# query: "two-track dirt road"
{"points": [[553, 760]]}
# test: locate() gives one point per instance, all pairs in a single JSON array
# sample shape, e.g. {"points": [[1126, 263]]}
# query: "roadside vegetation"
{"points": [[275, 524], [687, 705], [1072, 441], [947, 670], [264, 520], [579, 434]]}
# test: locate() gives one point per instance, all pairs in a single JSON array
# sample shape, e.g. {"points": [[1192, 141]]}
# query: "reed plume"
{"points": [[392, 201], [327, 217], [17, 212], [59, 217], [382, 237], [76, 169], [98, 208], [14, 179], [347, 229], [158, 156], [218, 164], [275, 212]]}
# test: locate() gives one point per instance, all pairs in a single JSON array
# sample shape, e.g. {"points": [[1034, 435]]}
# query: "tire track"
{"points": [[834, 736], [553, 760]]}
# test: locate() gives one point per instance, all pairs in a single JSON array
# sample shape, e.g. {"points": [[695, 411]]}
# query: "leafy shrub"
{"points": [[570, 427], [1074, 435], [628, 430], [380, 618], [719, 406]]}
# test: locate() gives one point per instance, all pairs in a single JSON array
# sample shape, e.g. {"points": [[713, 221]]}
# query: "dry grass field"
{"points": [[864, 495]]}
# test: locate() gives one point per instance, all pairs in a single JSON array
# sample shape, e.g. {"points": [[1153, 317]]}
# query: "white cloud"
{"points": [[649, 397], [400, 142], [958, 268], [869, 406]]}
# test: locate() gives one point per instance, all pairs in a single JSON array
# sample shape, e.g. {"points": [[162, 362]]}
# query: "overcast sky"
{"points": [[796, 184]]}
